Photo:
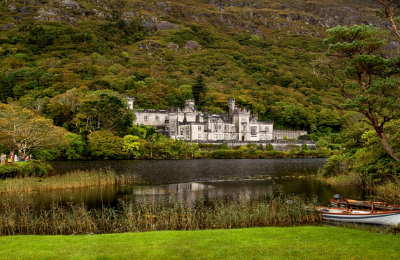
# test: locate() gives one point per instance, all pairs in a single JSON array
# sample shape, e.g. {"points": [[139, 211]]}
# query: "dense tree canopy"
{"points": [[358, 64], [23, 130]]}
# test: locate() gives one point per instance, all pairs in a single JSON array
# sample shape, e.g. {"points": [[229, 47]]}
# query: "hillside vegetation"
{"points": [[63, 57]]}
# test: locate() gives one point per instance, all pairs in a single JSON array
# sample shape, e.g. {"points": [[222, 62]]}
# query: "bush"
{"points": [[304, 147], [334, 146], [321, 144], [304, 137], [25, 169], [225, 146], [335, 165], [270, 147]]}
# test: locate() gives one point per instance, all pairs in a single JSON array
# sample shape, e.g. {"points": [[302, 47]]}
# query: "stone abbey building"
{"points": [[192, 125]]}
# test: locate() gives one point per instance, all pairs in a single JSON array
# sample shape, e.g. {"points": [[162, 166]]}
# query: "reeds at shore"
{"points": [[282, 211], [388, 191], [346, 180], [72, 180]]}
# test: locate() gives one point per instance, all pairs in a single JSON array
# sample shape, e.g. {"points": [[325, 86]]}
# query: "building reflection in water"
{"points": [[191, 192]]}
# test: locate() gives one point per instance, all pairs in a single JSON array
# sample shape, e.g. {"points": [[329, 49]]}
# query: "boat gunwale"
{"points": [[379, 204]]}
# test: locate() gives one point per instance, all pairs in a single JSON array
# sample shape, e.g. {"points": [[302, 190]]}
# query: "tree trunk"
{"points": [[386, 144]]}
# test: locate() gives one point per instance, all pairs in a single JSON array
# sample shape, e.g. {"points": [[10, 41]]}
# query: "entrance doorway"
{"points": [[242, 138]]}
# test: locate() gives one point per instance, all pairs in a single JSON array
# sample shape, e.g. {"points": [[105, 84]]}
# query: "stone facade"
{"points": [[290, 134], [189, 124]]}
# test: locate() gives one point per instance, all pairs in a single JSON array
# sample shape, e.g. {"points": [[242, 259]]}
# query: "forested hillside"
{"points": [[75, 61]]}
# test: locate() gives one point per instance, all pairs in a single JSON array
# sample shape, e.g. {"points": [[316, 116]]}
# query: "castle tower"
{"points": [[189, 105], [130, 101], [231, 105]]}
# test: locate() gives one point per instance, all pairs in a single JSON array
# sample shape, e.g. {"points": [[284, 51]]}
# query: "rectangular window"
{"points": [[267, 129], [199, 136], [233, 129], [145, 118], [226, 137], [254, 130], [219, 127], [199, 128], [243, 128], [226, 128], [157, 118]]}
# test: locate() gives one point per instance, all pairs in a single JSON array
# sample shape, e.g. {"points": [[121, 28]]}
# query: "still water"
{"points": [[191, 179]]}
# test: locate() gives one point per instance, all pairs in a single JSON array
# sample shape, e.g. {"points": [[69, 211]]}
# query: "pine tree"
{"points": [[198, 88]]}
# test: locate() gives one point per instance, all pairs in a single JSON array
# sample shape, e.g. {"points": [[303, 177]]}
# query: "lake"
{"points": [[189, 180]]}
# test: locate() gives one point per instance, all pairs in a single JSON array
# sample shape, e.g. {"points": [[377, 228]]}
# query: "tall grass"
{"points": [[76, 179], [388, 191], [154, 216], [351, 179]]}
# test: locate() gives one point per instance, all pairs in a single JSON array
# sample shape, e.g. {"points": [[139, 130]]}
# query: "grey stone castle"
{"points": [[189, 124]]}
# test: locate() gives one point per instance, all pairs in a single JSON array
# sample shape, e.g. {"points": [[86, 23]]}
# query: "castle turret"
{"points": [[189, 105], [130, 101], [231, 104]]}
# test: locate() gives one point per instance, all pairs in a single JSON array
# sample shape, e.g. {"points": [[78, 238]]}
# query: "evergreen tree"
{"points": [[358, 64], [5, 88], [198, 89]]}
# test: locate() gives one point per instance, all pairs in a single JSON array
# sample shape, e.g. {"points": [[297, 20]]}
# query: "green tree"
{"points": [[270, 147], [225, 146], [187, 91], [322, 143], [198, 89], [131, 146], [357, 64], [105, 112], [105, 145], [76, 146], [23, 130]]}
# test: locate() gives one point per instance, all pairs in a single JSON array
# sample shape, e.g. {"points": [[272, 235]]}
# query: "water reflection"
{"points": [[189, 180]]}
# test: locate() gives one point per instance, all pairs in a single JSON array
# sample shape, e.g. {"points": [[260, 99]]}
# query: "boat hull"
{"points": [[379, 218]]}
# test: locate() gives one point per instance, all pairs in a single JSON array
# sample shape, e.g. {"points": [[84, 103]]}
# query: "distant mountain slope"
{"points": [[258, 52]]}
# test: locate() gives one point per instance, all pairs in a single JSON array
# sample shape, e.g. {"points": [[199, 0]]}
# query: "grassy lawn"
{"points": [[254, 243]]}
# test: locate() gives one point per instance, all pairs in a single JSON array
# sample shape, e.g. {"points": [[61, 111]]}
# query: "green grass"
{"points": [[254, 243]]}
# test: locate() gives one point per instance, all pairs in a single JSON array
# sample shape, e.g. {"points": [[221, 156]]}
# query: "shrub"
{"points": [[24, 169], [270, 147], [321, 143], [334, 146], [225, 146], [335, 165]]}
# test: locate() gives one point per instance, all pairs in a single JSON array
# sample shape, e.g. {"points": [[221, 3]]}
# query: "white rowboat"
{"points": [[360, 216]]}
